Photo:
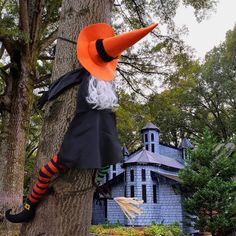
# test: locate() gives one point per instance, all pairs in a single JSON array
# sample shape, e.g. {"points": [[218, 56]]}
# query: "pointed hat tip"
{"points": [[152, 26]]}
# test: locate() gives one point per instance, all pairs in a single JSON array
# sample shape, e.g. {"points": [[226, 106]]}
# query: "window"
{"points": [[146, 146], [114, 167], [143, 175], [132, 175], [114, 175], [144, 193], [153, 147], [154, 191], [146, 138], [132, 191], [152, 137]]}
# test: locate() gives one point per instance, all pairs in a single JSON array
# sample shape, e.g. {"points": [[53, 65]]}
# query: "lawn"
{"points": [[152, 230]]}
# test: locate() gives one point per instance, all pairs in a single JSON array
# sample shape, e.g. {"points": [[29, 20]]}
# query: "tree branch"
{"points": [[5, 103], [2, 49], [128, 82], [9, 44], [36, 22], [24, 18], [43, 57], [136, 8], [136, 68], [49, 40]]}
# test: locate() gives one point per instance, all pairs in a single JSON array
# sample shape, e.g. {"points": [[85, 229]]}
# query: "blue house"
{"points": [[149, 173]]}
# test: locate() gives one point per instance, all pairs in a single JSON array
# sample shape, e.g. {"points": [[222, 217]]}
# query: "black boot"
{"points": [[24, 216]]}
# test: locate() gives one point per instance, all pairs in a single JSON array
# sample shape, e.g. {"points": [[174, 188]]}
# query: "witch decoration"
{"points": [[94, 123]]}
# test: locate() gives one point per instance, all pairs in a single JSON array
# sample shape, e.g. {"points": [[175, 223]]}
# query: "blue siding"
{"points": [[148, 141], [114, 213], [98, 216]]}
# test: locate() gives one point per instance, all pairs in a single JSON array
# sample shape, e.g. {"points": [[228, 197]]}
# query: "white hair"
{"points": [[101, 94]]}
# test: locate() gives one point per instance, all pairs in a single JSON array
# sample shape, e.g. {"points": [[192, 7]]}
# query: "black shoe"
{"points": [[25, 216]]}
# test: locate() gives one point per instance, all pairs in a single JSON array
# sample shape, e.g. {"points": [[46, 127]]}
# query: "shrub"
{"points": [[163, 230]]}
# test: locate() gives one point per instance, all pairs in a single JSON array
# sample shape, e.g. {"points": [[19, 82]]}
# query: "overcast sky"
{"points": [[210, 32]]}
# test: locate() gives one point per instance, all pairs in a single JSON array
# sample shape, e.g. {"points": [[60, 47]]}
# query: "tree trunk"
{"points": [[68, 210], [13, 142]]}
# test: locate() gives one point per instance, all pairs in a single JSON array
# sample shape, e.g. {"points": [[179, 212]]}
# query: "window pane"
{"points": [[146, 138], [152, 137], [114, 167], [154, 193], [132, 191], [153, 147], [143, 175], [131, 175], [146, 146], [144, 193]]}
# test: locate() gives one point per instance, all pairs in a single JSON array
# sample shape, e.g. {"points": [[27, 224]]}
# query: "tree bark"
{"points": [[13, 142], [16, 123], [67, 211]]}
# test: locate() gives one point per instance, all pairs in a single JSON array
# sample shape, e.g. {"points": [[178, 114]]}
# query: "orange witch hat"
{"points": [[98, 48]]}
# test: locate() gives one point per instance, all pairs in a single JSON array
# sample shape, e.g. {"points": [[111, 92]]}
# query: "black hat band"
{"points": [[102, 52]]}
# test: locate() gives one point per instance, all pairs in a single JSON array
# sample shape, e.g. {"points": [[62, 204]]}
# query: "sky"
{"points": [[210, 32]]}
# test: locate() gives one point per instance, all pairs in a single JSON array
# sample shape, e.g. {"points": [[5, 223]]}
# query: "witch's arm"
{"points": [[61, 85]]}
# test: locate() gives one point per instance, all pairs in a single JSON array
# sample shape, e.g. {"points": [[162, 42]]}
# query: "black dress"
{"points": [[91, 140]]}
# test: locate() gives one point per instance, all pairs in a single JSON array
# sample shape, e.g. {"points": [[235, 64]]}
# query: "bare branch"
{"points": [[128, 82], [138, 13], [49, 40], [41, 79], [137, 68], [31, 152], [2, 49], [43, 57]]}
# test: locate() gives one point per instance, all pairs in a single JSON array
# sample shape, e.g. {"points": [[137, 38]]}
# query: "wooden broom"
{"points": [[130, 206]]}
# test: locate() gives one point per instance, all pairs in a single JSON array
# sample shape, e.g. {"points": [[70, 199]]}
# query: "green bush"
{"points": [[163, 230], [152, 230]]}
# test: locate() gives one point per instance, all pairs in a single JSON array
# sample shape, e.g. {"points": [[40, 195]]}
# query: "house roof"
{"points": [[172, 176], [125, 151], [149, 126], [144, 156], [186, 143], [114, 181]]}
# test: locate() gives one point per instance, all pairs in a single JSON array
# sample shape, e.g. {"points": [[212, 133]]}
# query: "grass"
{"points": [[152, 230]]}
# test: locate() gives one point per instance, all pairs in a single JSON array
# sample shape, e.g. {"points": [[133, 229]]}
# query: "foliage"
{"points": [[199, 96], [163, 230], [131, 117], [208, 186], [152, 230]]}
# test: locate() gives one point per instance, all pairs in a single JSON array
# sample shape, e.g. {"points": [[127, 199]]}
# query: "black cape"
{"points": [[91, 140]]}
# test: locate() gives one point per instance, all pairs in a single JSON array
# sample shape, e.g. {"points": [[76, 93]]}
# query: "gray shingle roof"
{"points": [[186, 143], [146, 157], [149, 126], [125, 151], [172, 176]]}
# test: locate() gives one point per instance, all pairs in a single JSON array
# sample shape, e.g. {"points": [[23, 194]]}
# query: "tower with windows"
{"points": [[150, 137]]}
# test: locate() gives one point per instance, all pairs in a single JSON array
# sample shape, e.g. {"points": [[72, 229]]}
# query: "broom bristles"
{"points": [[130, 206]]}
